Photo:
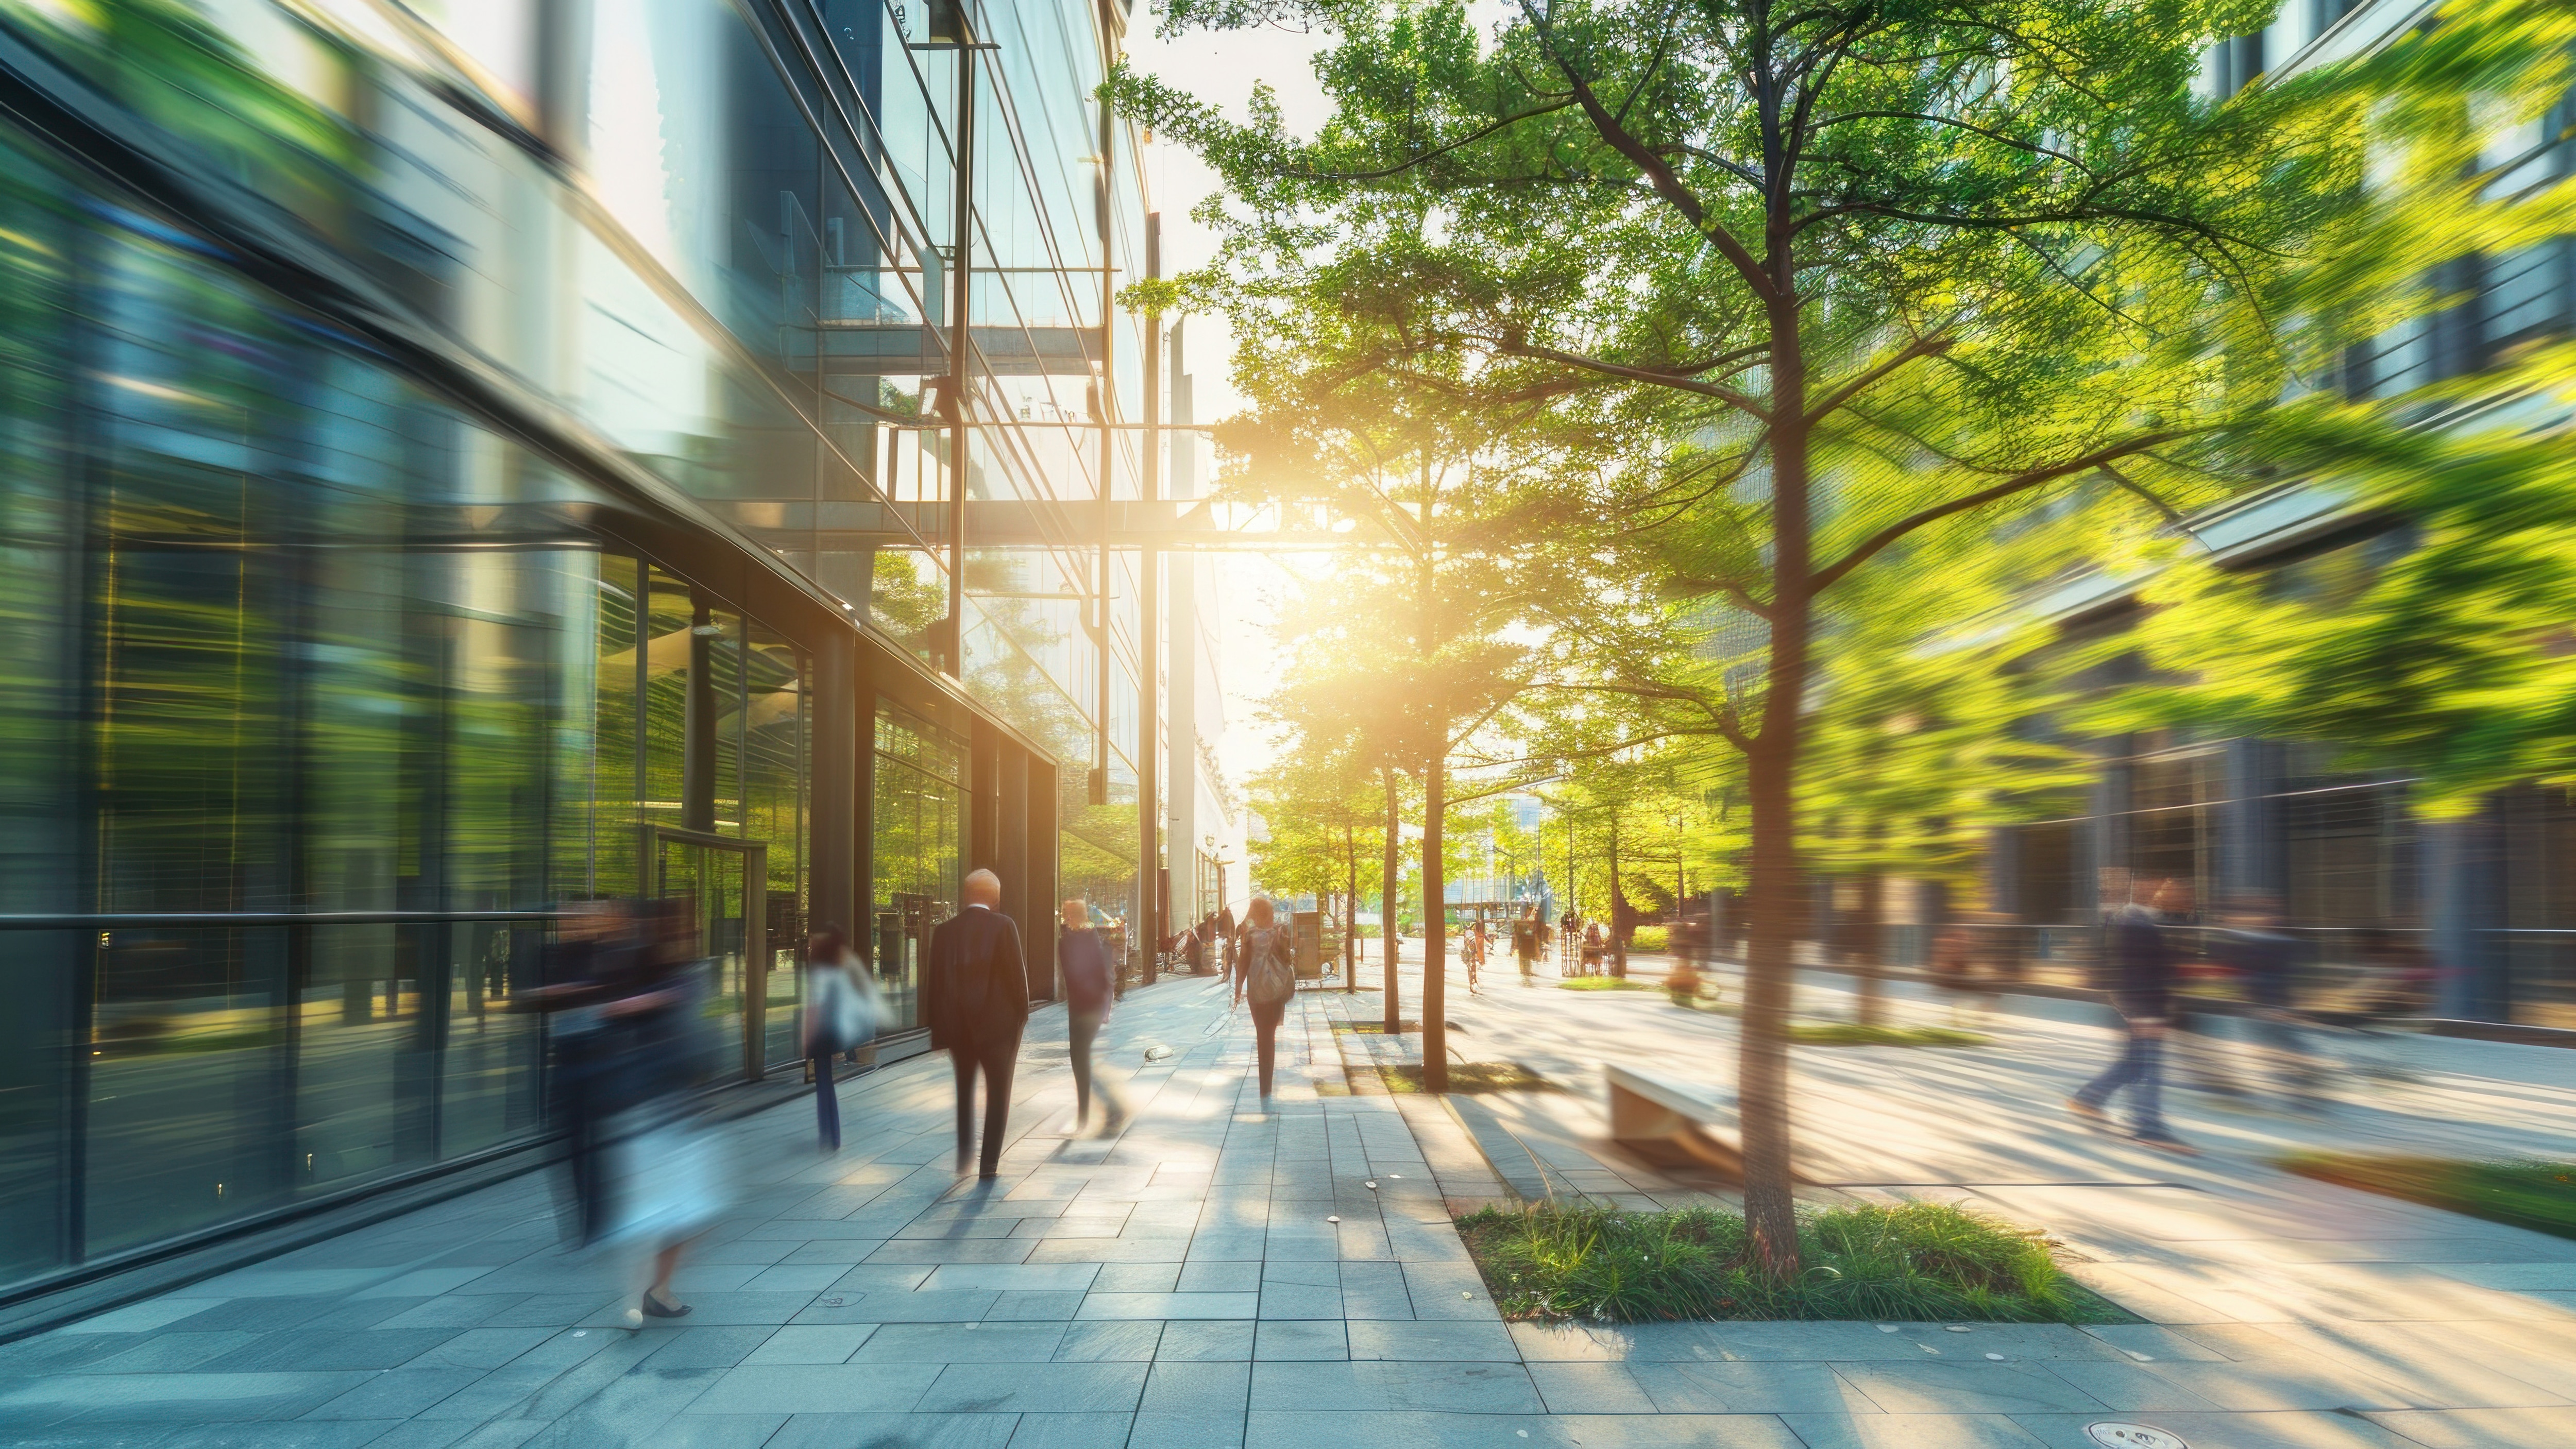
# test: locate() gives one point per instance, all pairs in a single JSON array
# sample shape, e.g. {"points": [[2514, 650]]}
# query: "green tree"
{"points": [[1833, 287]]}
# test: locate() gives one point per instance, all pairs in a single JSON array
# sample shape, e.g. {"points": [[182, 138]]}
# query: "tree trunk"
{"points": [[1867, 936], [1618, 938], [1435, 932], [1386, 902], [1351, 912]]}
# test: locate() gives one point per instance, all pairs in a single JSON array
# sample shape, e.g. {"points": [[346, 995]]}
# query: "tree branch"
{"points": [[1743, 402], [1929, 346], [1825, 578]]}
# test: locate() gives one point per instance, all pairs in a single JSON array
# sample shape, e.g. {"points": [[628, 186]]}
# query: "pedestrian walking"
{"points": [[1525, 943], [1221, 929], [1595, 946], [2262, 957], [1266, 975], [1569, 939], [2140, 979], [1084, 964], [842, 1014], [976, 990]]}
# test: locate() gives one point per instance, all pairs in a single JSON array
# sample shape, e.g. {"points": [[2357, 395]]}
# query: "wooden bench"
{"points": [[1668, 1121]]}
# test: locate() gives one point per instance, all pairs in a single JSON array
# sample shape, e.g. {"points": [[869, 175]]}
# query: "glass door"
{"points": [[726, 883]]}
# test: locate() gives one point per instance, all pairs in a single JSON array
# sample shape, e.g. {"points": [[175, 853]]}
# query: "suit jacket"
{"points": [[976, 985]]}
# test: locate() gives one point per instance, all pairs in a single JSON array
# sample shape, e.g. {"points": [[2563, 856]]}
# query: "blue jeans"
{"points": [[827, 1099], [2140, 1067]]}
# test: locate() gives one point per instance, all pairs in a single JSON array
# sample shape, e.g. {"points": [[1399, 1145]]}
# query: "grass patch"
{"points": [[1917, 1262], [1376, 1028], [1470, 1078], [2540, 1196], [1852, 1033], [1605, 983]]}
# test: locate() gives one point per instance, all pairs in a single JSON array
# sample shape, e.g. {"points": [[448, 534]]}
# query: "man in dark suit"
{"points": [[976, 992]]}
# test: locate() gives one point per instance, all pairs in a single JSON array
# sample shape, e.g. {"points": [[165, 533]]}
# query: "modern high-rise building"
{"points": [[469, 458]]}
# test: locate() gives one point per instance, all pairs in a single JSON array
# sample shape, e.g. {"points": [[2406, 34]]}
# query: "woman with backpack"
{"points": [[1264, 973]]}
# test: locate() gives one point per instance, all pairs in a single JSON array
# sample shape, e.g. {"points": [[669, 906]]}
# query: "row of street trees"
{"points": [[1691, 368]]}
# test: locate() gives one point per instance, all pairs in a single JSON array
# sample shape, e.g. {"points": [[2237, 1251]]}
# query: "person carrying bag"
{"points": [[843, 1011], [1265, 974]]}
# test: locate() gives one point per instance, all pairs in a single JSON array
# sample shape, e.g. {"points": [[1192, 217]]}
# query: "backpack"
{"points": [[1268, 977]]}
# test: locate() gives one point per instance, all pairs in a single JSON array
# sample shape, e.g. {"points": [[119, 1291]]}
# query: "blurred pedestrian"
{"points": [[1525, 943], [1569, 938], [1084, 965], [1595, 946], [842, 1014], [1266, 975], [976, 986], [1221, 930], [2262, 958], [2140, 978]]}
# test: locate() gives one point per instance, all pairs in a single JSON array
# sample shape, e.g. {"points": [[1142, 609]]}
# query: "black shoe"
{"points": [[657, 1309]]}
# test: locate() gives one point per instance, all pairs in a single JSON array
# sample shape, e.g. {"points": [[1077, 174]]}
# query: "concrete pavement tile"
{"points": [[1910, 1431], [2517, 1277], [1963, 1388], [1071, 1431], [1298, 1300], [880, 1278], [1304, 1430], [1683, 1387], [293, 1434], [2129, 1387], [457, 1310], [1109, 1341], [141, 1317], [1136, 1278], [482, 1348], [422, 1434], [812, 1343], [1301, 1274], [1169, 1305], [825, 1389], [2480, 1428], [2286, 1381], [1014, 1277], [2153, 1340], [2426, 1363], [761, 1253], [370, 1349], [1108, 1250], [1216, 1276], [1048, 1387], [894, 1307], [1467, 1388], [726, 1310], [160, 1353], [961, 1343], [397, 1393], [552, 1310], [494, 1394], [1204, 1389], [1433, 1340], [1072, 1225], [706, 1348], [632, 1410], [1205, 1339], [1830, 1342], [778, 1278], [894, 1431], [965, 1250], [1301, 1339], [1590, 1388], [1034, 1307], [2271, 1430], [1186, 1431], [706, 1431], [180, 1398]]}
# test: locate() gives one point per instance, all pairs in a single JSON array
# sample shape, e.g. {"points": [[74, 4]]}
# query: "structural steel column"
{"points": [[838, 894], [1149, 803], [960, 345], [1041, 865]]}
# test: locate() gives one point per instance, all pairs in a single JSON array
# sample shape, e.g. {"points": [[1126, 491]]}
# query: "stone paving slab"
{"points": [[1185, 1284]]}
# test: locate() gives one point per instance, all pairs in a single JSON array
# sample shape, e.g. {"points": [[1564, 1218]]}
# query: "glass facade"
{"points": [[431, 485]]}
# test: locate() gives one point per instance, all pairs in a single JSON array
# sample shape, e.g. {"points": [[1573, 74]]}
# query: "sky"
{"points": [[1223, 69]]}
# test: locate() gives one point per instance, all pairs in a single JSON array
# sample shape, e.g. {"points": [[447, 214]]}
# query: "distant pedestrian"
{"points": [[1595, 946], [1569, 939], [2140, 978], [1525, 943], [1265, 975], [842, 1014], [976, 989], [2263, 960], [1084, 964]]}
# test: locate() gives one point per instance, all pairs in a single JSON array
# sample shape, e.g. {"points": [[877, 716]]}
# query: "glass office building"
{"points": [[466, 460]]}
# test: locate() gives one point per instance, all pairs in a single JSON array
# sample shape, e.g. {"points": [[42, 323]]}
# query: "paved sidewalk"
{"points": [[1188, 1284]]}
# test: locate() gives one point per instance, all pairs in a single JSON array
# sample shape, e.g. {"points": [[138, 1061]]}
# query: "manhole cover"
{"points": [[2133, 1436]]}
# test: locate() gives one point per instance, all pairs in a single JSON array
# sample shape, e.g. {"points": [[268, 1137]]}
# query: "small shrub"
{"points": [[1651, 938], [2540, 1196], [1850, 1033], [1912, 1262], [1602, 983]]}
